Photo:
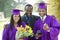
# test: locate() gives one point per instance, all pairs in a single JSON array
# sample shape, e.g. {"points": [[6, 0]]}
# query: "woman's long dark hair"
{"points": [[12, 22]]}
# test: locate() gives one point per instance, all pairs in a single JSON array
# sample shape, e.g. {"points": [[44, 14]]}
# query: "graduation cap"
{"points": [[16, 11], [42, 5]]}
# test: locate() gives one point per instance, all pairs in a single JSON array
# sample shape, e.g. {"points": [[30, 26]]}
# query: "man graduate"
{"points": [[46, 24]]}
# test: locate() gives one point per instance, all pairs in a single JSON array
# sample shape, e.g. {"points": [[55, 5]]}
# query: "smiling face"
{"points": [[42, 12], [16, 18], [28, 10]]}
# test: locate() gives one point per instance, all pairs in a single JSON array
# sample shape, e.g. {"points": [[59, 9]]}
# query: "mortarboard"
{"points": [[16, 11], [42, 5]]}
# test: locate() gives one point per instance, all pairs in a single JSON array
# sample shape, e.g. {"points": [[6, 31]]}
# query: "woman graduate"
{"points": [[46, 24], [9, 31]]}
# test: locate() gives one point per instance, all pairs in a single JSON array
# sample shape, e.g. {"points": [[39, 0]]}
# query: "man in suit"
{"points": [[28, 18]]}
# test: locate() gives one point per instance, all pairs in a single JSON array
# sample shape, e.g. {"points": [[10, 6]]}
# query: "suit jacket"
{"points": [[29, 21]]}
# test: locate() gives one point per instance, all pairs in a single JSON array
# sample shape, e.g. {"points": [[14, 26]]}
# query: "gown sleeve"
{"points": [[5, 33], [36, 27], [54, 29]]}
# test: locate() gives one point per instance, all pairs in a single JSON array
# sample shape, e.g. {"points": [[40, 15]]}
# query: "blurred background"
{"points": [[7, 5]]}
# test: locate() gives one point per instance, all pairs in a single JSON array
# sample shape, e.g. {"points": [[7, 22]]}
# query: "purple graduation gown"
{"points": [[10, 34], [54, 28]]}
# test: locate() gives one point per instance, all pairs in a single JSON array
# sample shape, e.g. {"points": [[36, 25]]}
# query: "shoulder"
{"points": [[23, 17], [6, 29], [50, 16], [35, 17], [6, 26]]}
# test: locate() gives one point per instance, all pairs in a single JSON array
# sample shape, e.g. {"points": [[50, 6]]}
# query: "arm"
{"points": [[5, 34], [35, 27], [36, 30], [54, 29]]}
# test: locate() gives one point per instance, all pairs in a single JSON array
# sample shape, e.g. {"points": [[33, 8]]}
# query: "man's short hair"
{"points": [[28, 5]]}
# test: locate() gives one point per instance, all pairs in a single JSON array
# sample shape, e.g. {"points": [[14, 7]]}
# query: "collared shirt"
{"points": [[43, 18]]}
